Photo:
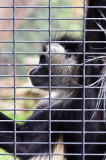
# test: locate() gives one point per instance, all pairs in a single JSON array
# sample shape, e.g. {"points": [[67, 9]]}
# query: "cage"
{"points": [[52, 79]]}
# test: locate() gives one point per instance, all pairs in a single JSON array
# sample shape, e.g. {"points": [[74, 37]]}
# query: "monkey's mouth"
{"points": [[38, 80]]}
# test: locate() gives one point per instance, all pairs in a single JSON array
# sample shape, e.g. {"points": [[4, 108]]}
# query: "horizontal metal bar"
{"points": [[52, 30], [44, 132], [95, 154], [78, 132], [69, 154], [24, 131], [54, 42], [87, 132], [42, 19], [22, 98], [43, 30], [81, 19], [40, 154], [62, 75], [47, 154], [39, 53], [56, 143], [72, 143], [44, 121], [41, 76], [59, 41], [65, 132], [6, 154], [67, 121], [44, 64], [57, 7], [52, 87], [96, 64], [37, 109]]}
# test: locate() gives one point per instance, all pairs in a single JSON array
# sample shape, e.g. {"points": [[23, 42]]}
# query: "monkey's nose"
{"points": [[31, 71]]}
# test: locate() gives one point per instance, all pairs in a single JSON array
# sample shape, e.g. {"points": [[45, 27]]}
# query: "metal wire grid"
{"points": [[14, 30]]}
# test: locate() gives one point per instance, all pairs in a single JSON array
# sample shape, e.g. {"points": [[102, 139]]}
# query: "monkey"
{"points": [[76, 110]]}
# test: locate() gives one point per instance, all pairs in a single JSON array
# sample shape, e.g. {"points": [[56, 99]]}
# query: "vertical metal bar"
{"points": [[49, 79], [84, 50], [14, 60]]}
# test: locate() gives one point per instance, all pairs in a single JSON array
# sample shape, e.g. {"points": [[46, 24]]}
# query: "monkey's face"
{"points": [[60, 69]]}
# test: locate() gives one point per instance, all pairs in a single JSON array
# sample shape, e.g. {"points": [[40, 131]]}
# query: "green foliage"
{"points": [[4, 157]]}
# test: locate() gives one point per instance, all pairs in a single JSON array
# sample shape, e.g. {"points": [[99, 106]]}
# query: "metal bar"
{"points": [[78, 143], [67, 121], [53, 30], [36, 109], [46, 154], [57, 7], [53, 42], [51, 76], [84, 50], [52, 19], [41, 154], [54, 64], [39, 53], [52, 87], [14, 60], [66, 132], [22, 98], [49, 79]]}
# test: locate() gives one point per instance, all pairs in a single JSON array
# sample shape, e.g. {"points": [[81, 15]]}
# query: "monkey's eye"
{"points": [[70, 56], [42, 59]]}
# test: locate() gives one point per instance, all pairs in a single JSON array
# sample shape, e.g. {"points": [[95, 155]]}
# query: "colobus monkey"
{"points": [[67, 115]]}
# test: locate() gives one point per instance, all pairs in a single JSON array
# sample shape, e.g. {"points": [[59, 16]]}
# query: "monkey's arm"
{"points": [[38, 133]]}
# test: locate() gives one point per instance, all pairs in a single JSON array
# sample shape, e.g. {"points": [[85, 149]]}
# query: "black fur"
{"points": [[73, 105]]}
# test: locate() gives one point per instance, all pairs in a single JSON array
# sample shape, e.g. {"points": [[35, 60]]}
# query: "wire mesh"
{"points": [[24, 33]]}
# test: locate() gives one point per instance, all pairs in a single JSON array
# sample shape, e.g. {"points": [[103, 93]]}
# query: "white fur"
{"points": [[102, 93], [59, 149], [56, 48], [99, 23]]}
